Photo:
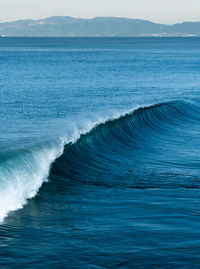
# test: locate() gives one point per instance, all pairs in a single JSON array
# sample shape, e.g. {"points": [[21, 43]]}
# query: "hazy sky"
{"points": [[165, 11]]}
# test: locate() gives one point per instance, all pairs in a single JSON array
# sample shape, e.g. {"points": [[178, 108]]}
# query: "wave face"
{"points": [[142, 147], [127, 147]]}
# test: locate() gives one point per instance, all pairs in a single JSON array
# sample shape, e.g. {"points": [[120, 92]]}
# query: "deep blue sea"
{"points": [[99, 153]]}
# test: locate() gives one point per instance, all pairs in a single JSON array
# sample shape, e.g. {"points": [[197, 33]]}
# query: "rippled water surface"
{"points": [[99, 152]]}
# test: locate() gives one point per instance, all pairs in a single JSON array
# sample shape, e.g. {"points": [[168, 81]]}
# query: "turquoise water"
{"points": [[99, 152]]}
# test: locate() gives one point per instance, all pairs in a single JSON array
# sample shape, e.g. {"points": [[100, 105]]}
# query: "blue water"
{"points": [[99, 152]]}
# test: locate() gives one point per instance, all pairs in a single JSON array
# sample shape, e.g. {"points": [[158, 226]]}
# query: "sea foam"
{"points": [[23, 171]]}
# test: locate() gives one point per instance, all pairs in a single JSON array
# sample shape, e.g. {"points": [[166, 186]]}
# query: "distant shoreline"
{"points": [[60, 26], [99, 37]]}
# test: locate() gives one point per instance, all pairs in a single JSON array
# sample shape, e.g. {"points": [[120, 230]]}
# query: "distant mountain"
{"points": [[99, 26]]}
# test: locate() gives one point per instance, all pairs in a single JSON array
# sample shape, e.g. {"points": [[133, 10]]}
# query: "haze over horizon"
{"points": [[160, 11]]}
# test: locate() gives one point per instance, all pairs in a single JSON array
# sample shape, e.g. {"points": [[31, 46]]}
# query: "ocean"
{"points": [[100, 152]]}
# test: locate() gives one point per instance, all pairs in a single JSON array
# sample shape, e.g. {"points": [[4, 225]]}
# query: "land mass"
{"points": [[99, 26]]}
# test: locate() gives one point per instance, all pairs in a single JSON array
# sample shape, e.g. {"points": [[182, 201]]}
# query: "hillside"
{"points": [[99, 26]]}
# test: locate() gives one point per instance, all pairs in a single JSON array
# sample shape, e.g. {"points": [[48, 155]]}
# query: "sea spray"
{"points": [[23, 171]]}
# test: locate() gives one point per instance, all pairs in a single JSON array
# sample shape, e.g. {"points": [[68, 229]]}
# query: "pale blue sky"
{"points": [[165, 11]]}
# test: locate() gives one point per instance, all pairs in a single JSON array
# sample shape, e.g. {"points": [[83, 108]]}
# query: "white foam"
{"points": [[23, 173]]}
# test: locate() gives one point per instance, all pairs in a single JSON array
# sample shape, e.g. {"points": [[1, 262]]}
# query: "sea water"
{"points": [[99, 152]]}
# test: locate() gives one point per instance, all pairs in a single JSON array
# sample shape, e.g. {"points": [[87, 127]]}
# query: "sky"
{"points": [[162, 11]]}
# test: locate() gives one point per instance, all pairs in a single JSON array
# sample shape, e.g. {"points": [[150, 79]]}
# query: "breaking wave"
{"points": [[110, 147]]}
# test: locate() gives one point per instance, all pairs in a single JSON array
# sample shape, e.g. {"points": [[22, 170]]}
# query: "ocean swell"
{"points": [[103, 146]]}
